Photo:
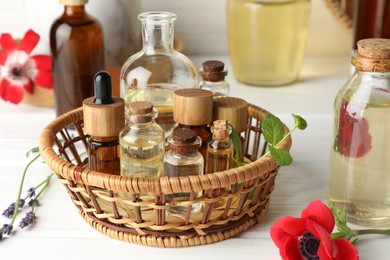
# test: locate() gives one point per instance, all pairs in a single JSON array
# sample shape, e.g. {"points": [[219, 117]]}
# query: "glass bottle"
{"points": [[267, 39], [183, 159], [141, 142], [220, 149], [103, 120], [359, 178], [372, 20], [76, 44], [213, 75], [193, 109], [157, 70]]}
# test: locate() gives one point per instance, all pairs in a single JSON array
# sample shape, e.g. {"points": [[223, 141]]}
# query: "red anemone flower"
{"points": [[19, 70], [308, 237]]}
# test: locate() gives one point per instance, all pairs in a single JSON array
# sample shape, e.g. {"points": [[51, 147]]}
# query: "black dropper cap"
{"points": [[103, 88]]}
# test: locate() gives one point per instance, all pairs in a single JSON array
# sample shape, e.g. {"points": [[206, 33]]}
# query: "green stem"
{"points": [[46, 182], [20, 190], [284, 138]]}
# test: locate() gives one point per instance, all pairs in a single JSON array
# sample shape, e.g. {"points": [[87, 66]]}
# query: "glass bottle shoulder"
{"points": [[220, 144], [182, 160]]}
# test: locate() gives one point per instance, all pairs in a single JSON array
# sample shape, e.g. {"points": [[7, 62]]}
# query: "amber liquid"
{"points": [[76, 42], [104, 155], [219, 160], [372, 20]]}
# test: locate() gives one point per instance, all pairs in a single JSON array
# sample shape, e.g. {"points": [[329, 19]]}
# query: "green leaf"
{"points": [[238, 156], [281, 157], [273, 129], [300, 122]]}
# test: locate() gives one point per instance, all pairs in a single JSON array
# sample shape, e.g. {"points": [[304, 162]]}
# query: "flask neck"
{"points": [[157, 31]]}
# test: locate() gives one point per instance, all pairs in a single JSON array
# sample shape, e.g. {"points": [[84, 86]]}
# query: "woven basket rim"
{"points": [[258, 168]]}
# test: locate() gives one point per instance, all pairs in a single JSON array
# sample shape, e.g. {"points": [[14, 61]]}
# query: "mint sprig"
{"points": [[274, 134]]}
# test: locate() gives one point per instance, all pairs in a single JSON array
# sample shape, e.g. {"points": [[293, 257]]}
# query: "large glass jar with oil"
{"points": [[153, 73], [267, 40], [359, 177]]}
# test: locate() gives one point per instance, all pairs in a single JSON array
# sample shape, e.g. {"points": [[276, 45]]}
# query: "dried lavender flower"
{"points": [[7, 229], [9, 212], [31, 192], [27, 220], [34, 202]]}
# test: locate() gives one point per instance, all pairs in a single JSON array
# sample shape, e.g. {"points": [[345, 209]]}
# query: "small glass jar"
{"points": [[153, 73], [359, 178], [213, 75], [183, 159], [220, 149], [142, 143]]}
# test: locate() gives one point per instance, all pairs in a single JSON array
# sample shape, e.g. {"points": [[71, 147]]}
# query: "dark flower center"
{"points": [[309, 245], [16, 71]]}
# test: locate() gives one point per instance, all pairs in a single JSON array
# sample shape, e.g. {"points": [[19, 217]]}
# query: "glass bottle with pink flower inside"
{"points": [[359, 178]]}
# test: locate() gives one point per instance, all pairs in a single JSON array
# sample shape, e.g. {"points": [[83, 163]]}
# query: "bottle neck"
{"points": [[157, 36], [74, 10]]}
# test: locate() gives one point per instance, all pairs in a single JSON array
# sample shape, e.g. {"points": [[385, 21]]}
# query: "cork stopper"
{"points": [[141, 107], [184, 141], [192, 106], [221, 130], [213, 70], [372, 55], [103, 114], [73, 2], [232, 109]]}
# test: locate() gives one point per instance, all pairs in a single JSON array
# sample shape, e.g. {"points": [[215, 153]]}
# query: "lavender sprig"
{"points": [[13, 210]]}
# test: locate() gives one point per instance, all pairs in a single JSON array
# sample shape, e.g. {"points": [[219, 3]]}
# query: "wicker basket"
{"points": [[232, 200]]}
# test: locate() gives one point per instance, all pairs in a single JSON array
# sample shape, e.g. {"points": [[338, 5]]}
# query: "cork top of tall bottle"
{"points": [[193, 106], [73, 2], [372, 55]]}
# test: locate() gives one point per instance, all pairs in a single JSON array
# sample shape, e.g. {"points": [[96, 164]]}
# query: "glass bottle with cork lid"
{"points": [[213, 75], [103, 120], [153, 73], [76, 44], [183, 159], [220, 149], [193, 109], [142, 142], [359, 160]]}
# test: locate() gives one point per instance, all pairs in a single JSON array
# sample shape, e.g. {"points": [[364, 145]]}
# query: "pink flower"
{"points": [[19, 70], [308, 237]]}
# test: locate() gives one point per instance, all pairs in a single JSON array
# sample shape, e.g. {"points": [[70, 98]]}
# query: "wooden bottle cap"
{"points": [[193, 106], [73, 2], [103, 120], [232, 109], [373, 55]]}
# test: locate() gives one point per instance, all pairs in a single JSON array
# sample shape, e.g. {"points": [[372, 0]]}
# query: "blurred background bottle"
{"points": [[371, 20], [76, 43], [267, 39]]}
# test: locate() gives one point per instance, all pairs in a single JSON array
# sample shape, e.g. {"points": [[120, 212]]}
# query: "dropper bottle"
{"points": [[103, 120]]}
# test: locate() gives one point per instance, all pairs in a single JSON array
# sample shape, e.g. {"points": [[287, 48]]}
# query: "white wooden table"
{"points": [[61, 233]]}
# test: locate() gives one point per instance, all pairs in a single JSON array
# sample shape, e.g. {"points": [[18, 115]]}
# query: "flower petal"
{"points": [[325, 251], [291, 250], [320, 213], [343, 249], [7, 42], [29, 41], [12, 93], [294, 226], [42, 62], [277, 233], [3, 58], [43, 79]]}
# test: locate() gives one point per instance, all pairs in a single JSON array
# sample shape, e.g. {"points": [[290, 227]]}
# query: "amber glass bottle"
{"points": [[103, 120], [76, 43]]}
